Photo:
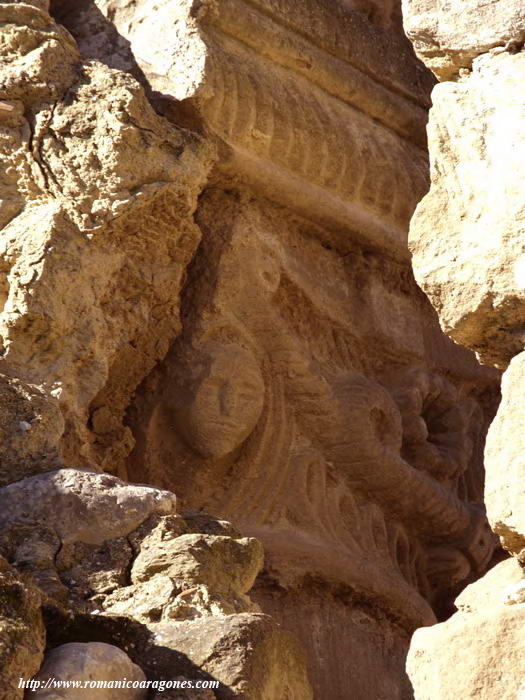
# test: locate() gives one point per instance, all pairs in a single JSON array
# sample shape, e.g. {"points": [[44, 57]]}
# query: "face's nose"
{"points": [[227, 398]]}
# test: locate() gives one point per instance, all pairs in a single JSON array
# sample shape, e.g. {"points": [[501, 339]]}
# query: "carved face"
{"points": [[224, 404]]}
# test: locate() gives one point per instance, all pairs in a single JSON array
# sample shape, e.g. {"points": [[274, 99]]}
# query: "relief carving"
{"points": [[206, 286], [267, 411], [218, 403]]}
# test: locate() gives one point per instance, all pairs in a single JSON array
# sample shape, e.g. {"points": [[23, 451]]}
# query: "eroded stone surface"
{"points": [[22, 632], [470, 656], [493, 589], [176, 576], [31, 426], [248, 653], [91, 178], [219, 300], [448, 36], [82, 506], [467, 240], [473, 271], [505, 458]]}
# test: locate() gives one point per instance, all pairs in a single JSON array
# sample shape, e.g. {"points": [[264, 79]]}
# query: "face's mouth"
{"points": [[219, 439], [224, 426]]}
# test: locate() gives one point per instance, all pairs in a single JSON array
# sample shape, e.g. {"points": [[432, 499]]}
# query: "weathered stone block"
{"points": [[89, 663], [448, 36]]}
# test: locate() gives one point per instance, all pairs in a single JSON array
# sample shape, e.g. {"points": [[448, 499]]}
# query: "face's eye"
{"points": [[212, 385], [246, 397]]}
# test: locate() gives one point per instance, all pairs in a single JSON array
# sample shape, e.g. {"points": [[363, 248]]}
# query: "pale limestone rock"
{"points": [[22, 632], [94, 661], [467, 234], [188, 576], [82, 506], [39, 57], [250, 655], [481, 655], [491, 590], [515, 594], [505, 460], [173, 574], [198, 558], [166, 599], [203, 523], [98, 194], [145, 603], [448, 36], [158, 571], [468, 251]]}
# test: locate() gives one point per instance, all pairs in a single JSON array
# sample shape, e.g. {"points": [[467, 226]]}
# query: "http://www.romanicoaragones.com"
{"points": [[85, 684]]}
